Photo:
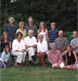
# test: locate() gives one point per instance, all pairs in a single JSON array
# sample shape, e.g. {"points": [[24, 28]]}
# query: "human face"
{"points": [[5, 35], [40, 37], [11, 20], [60, 33], [75, 34], [30, 20], [6, 49], [53, 46], [69, 48], [42, 25], [53, 26], [22, 26], [19, 36], [30, 33]]}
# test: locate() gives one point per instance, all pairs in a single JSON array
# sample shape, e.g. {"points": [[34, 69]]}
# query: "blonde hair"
{"points": [[21, 23]]}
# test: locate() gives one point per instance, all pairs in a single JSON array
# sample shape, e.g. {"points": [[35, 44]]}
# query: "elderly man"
{"points": [[31, 44], [74, 42], [61, 42], [55, 57]]}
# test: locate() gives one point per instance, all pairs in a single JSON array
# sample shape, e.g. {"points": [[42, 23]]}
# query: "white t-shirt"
{"points": [[42, 47], [5, 57], [18, 45], [44, 35], [30, 41]]}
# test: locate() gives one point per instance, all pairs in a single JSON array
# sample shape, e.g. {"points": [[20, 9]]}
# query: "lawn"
{"points": [[37, 73]]}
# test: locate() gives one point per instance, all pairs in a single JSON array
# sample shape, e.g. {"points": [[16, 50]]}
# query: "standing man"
{"points": [[11, 29], [31, 26], [53, 33]]}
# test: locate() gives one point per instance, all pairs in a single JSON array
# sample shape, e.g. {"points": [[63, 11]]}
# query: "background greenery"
{"points": [[63, 12]]}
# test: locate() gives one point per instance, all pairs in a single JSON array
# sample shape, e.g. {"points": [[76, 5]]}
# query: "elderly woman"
{"points": [[18, 49], [31, 44], [42, 48], [54, 57]]}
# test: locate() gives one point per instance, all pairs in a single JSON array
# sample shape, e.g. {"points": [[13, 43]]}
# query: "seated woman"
{"points": [[18, 49], [4, 41], [5, 58], [42, 48], [70, 56], [55, 57]]}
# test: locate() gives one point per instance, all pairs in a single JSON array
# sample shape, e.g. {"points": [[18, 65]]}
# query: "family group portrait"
{"points": [[38, 40]]}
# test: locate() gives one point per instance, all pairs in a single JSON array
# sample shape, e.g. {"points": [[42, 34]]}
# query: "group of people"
{"points": [[33, 44]]}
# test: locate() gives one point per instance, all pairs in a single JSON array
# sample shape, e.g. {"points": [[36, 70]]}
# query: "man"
{"points": [[61, 42], [55, 57], [31, 26], [11, 29], [74, 42], [53, 33], [30, 43]]}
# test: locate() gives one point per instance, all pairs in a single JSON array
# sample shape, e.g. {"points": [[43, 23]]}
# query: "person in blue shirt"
{"points": [[52, 33], [10, 28]]}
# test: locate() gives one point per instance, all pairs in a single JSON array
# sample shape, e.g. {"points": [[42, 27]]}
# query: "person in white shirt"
{"points": [[5, 58], [42, 48], [18, 49], [30, 43]]}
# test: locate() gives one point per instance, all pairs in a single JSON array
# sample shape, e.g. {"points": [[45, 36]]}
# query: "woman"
{"points": [[42, 30], [70, 56], [22, 29], [18, 49], [42, 48], [5, 41]]}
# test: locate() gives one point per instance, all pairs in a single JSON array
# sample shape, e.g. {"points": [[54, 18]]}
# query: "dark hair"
{"points": [[70, 46], [18, 34]]}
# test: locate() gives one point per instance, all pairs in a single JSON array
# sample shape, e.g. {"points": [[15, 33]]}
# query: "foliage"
{"points": [[63, 12]]}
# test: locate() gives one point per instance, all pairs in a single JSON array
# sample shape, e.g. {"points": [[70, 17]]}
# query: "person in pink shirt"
{"points": [[54, 57]]}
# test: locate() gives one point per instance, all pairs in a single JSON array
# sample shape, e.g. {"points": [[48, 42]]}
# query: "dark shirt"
{"points": [[34, 28], [70, 59], [3, 44], [53, 35], [11, 30]]}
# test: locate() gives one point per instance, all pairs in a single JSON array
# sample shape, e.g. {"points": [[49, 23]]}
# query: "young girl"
{"points": [[5, 58]]}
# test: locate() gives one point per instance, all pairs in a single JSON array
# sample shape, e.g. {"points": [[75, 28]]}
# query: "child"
{"points": [[5, 58]]}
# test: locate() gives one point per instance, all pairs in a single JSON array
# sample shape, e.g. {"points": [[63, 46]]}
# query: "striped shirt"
{"points": [[53, 34]]}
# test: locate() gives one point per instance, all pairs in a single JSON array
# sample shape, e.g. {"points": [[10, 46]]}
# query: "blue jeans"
{"points": [[6, 63]]}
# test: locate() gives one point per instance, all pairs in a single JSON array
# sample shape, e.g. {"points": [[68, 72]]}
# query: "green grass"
{"points": [[37, 73]]}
